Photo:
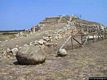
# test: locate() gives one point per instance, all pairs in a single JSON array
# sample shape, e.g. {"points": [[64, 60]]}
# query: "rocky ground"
{"points": [[79, 64]]}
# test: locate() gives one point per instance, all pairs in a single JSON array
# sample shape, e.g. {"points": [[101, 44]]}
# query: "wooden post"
{"points": [[102, 34], [65, 42], [98, 34], [88, 38], [77, 41], [93, 38], [72, 42], [105, 33], [81, 35], [82, 39]]}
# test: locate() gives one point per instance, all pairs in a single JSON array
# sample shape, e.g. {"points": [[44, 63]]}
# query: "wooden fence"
{"points": [[84, 38]]}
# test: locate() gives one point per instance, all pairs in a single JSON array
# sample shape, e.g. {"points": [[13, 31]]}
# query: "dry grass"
{"points": [[79, 64], [6, 37]]}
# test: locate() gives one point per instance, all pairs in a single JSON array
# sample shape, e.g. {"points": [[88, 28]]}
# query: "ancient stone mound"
{"points": [[30, 55]]}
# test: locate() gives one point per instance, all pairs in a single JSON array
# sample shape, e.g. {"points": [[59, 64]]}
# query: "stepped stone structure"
{"points": [[70, 21]]}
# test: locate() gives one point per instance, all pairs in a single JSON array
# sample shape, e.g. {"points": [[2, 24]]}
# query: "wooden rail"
{"points": [[85, 38]]}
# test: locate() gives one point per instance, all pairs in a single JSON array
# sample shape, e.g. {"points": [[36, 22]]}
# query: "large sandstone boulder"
{"points": [[30, 55]]}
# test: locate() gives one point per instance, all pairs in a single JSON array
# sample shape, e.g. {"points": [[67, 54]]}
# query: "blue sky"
{"points": [[23, 14]]}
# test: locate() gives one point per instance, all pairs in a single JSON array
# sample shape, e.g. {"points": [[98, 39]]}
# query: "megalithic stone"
{"points": [[30, 55]]}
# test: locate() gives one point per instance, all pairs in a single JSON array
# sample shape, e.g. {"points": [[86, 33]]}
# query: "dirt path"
{"points": [[79, 64]]}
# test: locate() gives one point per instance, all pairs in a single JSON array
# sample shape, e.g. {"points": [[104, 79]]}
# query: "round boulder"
{"points": [[62, 52], [30, 55]]}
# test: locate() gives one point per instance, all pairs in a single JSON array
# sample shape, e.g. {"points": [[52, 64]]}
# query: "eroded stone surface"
{"points": [[30, 55]]}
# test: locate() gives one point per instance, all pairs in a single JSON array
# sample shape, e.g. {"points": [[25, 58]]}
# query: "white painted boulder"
{"points": [[62, 52]]}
